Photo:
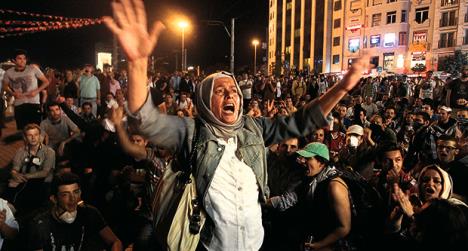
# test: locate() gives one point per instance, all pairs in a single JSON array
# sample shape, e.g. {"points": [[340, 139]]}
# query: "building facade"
{"points": [[450, 28], [300, 34], [327, 35]]}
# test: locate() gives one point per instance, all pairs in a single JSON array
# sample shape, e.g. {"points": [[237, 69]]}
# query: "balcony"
{"points": [[448, 3], [448, 23], [426, 23]]}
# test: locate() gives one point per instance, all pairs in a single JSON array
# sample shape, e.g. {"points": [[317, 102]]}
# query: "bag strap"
{"points": [[193, 152]]}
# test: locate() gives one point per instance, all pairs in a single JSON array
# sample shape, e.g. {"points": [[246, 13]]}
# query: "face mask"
{"points": [[68, 217], [417, 125], [353, 141]]}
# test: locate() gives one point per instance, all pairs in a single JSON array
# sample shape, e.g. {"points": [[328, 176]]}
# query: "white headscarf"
{"points": [[203, 94]]}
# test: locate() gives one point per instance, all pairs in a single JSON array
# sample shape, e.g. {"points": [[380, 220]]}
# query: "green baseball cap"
{"points": [[315, 149]]}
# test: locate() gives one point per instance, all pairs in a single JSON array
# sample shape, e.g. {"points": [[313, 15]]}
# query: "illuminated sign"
{"points": [[103, 58], [389, 40], [374, 40], [419, 37], [353, 45]]}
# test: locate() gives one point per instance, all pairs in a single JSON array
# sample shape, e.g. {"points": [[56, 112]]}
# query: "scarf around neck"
{"points": [[327, 172]]}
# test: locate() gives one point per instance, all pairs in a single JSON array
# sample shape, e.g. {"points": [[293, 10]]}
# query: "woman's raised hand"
{"points": [[130, 27]]}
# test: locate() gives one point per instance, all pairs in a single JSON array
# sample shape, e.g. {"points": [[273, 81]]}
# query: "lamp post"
{"points": [[182, 26], [255, 42]]}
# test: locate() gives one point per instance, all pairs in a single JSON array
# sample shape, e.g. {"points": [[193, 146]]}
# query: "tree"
{"points": [[453, 63]]}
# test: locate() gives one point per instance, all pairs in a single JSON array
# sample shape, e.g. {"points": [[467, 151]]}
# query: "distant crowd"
{"points": [[85, 177]]}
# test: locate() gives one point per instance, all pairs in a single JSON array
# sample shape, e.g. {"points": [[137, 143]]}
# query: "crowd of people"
{"points": [[300, 161]]}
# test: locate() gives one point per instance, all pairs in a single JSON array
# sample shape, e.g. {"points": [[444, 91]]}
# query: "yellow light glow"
{"points": [[183, 24], [255, 42], [400, 61]]}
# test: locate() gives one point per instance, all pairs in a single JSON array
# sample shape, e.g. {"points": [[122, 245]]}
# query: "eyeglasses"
{"points": [[449, 148]]}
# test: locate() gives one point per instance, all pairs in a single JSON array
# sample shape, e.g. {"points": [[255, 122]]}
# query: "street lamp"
{"points": [[255, 42], [183, 25]]}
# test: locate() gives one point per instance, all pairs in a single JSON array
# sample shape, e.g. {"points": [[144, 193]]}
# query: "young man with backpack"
{"points": [[325, 201], [341, 210]]}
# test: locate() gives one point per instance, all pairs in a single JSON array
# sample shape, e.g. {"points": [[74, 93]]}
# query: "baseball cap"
{"points": [[445, 108], [355, 129], [315, 149]]}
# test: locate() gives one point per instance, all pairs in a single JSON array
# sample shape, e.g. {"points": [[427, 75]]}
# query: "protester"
{"points": [[21, 82], [219, 105]]}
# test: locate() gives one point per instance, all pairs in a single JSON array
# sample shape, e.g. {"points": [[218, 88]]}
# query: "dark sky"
{"points": [[206, 45]]}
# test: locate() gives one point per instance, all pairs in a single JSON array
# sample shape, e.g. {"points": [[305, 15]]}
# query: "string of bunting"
{"points": [[10, 28], [39, 23], [23, 13], [19, 31]]}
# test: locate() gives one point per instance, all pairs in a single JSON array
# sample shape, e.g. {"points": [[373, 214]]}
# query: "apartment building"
{"points": [[301, 33], [450, 28], [327, 35], [380, 28]]}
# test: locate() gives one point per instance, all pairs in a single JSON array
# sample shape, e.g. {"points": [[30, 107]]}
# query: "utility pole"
{"points": [[231, 35], [233, 21]]}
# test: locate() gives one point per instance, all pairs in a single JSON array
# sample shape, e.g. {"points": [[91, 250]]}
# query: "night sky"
{"points": [[208, 46]]}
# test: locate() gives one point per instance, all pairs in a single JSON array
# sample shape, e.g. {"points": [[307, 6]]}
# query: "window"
{"points": [[389, 40], [353, 45], [336, 59], [337, 5], [336, 41], [448, 2], [402, 38], [447, 40], [376, 19], [465, 38], [355, 6], [422, 14], [391, 1], [448, 19], [388, 60], [403, 16], [391, 17], [374, 41], [376, 2], [297, 33], [337, 23], [374, 61]]}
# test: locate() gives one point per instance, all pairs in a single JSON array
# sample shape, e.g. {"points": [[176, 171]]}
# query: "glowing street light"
{"points": [[255, 42], [183, 25]]}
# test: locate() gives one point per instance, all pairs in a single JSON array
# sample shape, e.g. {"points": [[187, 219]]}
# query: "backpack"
{"points": [[367, 211]]}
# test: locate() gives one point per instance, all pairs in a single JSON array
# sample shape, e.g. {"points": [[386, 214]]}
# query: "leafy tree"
{"points": [[453, 63]]}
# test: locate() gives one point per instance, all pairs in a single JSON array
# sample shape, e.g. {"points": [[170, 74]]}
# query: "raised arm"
{"points": [[130, 28], [337, 92]]}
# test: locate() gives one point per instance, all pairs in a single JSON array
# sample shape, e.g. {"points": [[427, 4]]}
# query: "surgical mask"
{"points": [[68, 217], [353, 141]]}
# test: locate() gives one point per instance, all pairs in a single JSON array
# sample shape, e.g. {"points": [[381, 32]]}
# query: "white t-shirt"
{"points": [[247, 93], [24, 81], [10, 218]]}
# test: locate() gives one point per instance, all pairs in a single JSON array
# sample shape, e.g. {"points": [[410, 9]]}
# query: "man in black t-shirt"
{"points": [[69, 224], [457, 91]]}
